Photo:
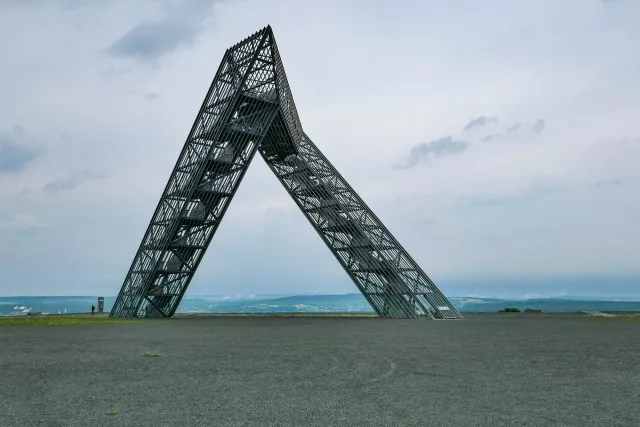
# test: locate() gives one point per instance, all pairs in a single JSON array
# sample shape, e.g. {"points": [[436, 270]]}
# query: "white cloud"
{"points": [[179, 23], [15, 153], [23, 221], [513, 201], [71, 181]]}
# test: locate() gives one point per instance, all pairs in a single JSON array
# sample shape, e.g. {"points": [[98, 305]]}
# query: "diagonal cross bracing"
{"points": [[249, 108]]}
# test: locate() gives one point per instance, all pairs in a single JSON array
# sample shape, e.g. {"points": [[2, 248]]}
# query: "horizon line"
{"points": [[629, 297]]}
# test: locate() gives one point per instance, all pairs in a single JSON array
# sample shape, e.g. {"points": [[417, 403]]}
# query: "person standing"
{"points": [[93, 309]]}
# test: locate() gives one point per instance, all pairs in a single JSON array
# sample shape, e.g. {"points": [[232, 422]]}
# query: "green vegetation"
{"points": [[624, 317], [510, 310], [103, 319], [64, 320], [630, 317]]}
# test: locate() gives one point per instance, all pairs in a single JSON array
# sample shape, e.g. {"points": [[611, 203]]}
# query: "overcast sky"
{"points": [[498, 140]]}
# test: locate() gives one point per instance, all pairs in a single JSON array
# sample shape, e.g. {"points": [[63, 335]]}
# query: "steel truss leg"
{"points": [[387, 276], [249, 108]]}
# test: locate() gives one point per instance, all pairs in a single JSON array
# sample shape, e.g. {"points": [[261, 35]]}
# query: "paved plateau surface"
{"points": [[485, 370]]}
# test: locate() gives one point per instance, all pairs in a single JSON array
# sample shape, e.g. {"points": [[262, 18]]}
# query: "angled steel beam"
{"points": [[249, 108], [219, 148]]}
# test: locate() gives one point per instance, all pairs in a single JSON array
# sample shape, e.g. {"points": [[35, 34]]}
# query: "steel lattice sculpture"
{"points": [[249, 108]]}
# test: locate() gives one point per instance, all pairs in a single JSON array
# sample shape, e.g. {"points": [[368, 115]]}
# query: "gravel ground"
{"points": [[485, 370]]}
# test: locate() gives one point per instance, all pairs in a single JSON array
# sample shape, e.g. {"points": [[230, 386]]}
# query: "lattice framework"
{"points": [[249, 108]]}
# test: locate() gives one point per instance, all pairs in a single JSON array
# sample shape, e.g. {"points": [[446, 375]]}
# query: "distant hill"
{"points": [[554, 305], [354, 303]]}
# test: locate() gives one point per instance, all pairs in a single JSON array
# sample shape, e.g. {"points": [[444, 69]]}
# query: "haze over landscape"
{"points": [[497, 140]]}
